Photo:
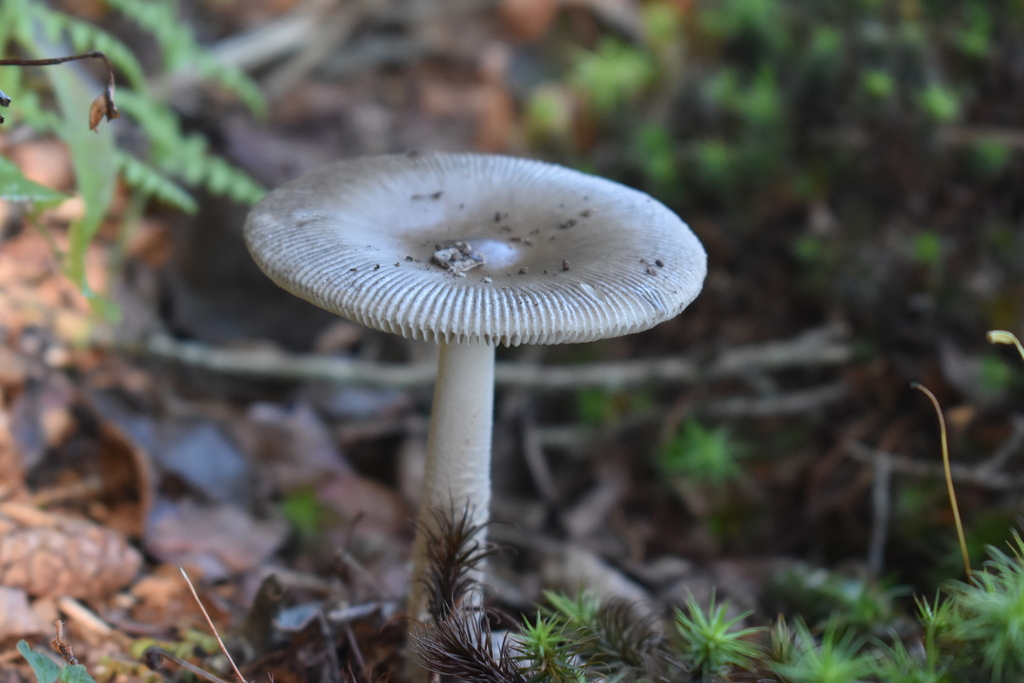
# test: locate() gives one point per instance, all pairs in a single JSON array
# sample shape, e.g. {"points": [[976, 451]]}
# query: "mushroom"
{"points": [[462, 281]]}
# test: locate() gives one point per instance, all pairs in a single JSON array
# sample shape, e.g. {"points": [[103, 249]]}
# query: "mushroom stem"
{"points": [[457, 473]]}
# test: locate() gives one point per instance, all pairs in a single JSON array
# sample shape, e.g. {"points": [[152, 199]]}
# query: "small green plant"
{"points": [[878, 83], [838, 658], [819, 596], [304, 511], [702, 455], [991, 612], [927, 248], [612, 74], [549, 651], [898, 665], [48, 671], [974, 633], [710, 643], [939, 103]]}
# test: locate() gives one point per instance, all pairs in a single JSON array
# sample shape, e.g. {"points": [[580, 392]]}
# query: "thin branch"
{"points": [[962, 474], [152, 656], [787, 403], [213, 628], [816, 348], [881, 505], [102, 107], [1007, 448]]}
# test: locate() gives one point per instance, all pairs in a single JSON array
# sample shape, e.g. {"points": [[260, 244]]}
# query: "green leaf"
{"points": [[75, 674], [612, 75], [94, 159], [43, 667], [15, 187]]}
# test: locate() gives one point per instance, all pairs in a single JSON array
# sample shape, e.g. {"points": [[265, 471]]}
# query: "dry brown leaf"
{"points": [[12, 473], [528, 20], [291, 447], [51, 555], [163, 598], [217, 540], [103, 107], [496, 118], [128, 481], [13, 372], [17, 620], [378, 508]]}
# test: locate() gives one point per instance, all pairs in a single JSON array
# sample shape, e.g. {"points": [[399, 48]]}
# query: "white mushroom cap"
{"points": [[568, 257]]}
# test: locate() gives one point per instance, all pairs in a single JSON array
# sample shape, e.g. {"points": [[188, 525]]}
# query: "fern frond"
{"points": [[147, 180], [181, 51], [86, 37], [186, 157], [156, 119], [195, 165]]}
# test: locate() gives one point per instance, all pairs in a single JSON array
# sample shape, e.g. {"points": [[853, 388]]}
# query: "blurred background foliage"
{"points": [[843, 129], [856, 162]]}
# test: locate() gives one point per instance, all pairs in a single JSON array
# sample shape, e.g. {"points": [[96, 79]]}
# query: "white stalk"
{"points": [[457, 473]]}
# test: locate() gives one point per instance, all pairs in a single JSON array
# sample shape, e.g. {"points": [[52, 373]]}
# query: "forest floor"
{"points": [[193, 434]]}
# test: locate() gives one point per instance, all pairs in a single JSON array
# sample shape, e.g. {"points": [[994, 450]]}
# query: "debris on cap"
{"points": [[457, 259]]}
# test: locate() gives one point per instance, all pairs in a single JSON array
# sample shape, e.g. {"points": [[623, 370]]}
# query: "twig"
{"points": [[790, 403], [102, 107], [333, 28], [365, 574], [152, 656], [880, 502], [1007, 448], [83, 616], [241, 678], [332, 650], [62, 647], [350, 636], [902, 464], [815, 348], [536, 463]]}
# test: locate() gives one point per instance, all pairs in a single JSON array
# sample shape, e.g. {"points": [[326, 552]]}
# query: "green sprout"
{"points": [[937, 618], [576, 612], [710, 642], [992, 605], [939, 102], [837, 659], [549, 652], [612, 75], [701, 454], [927, 248], [897, 664], [990, 156], [877, 83]]}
